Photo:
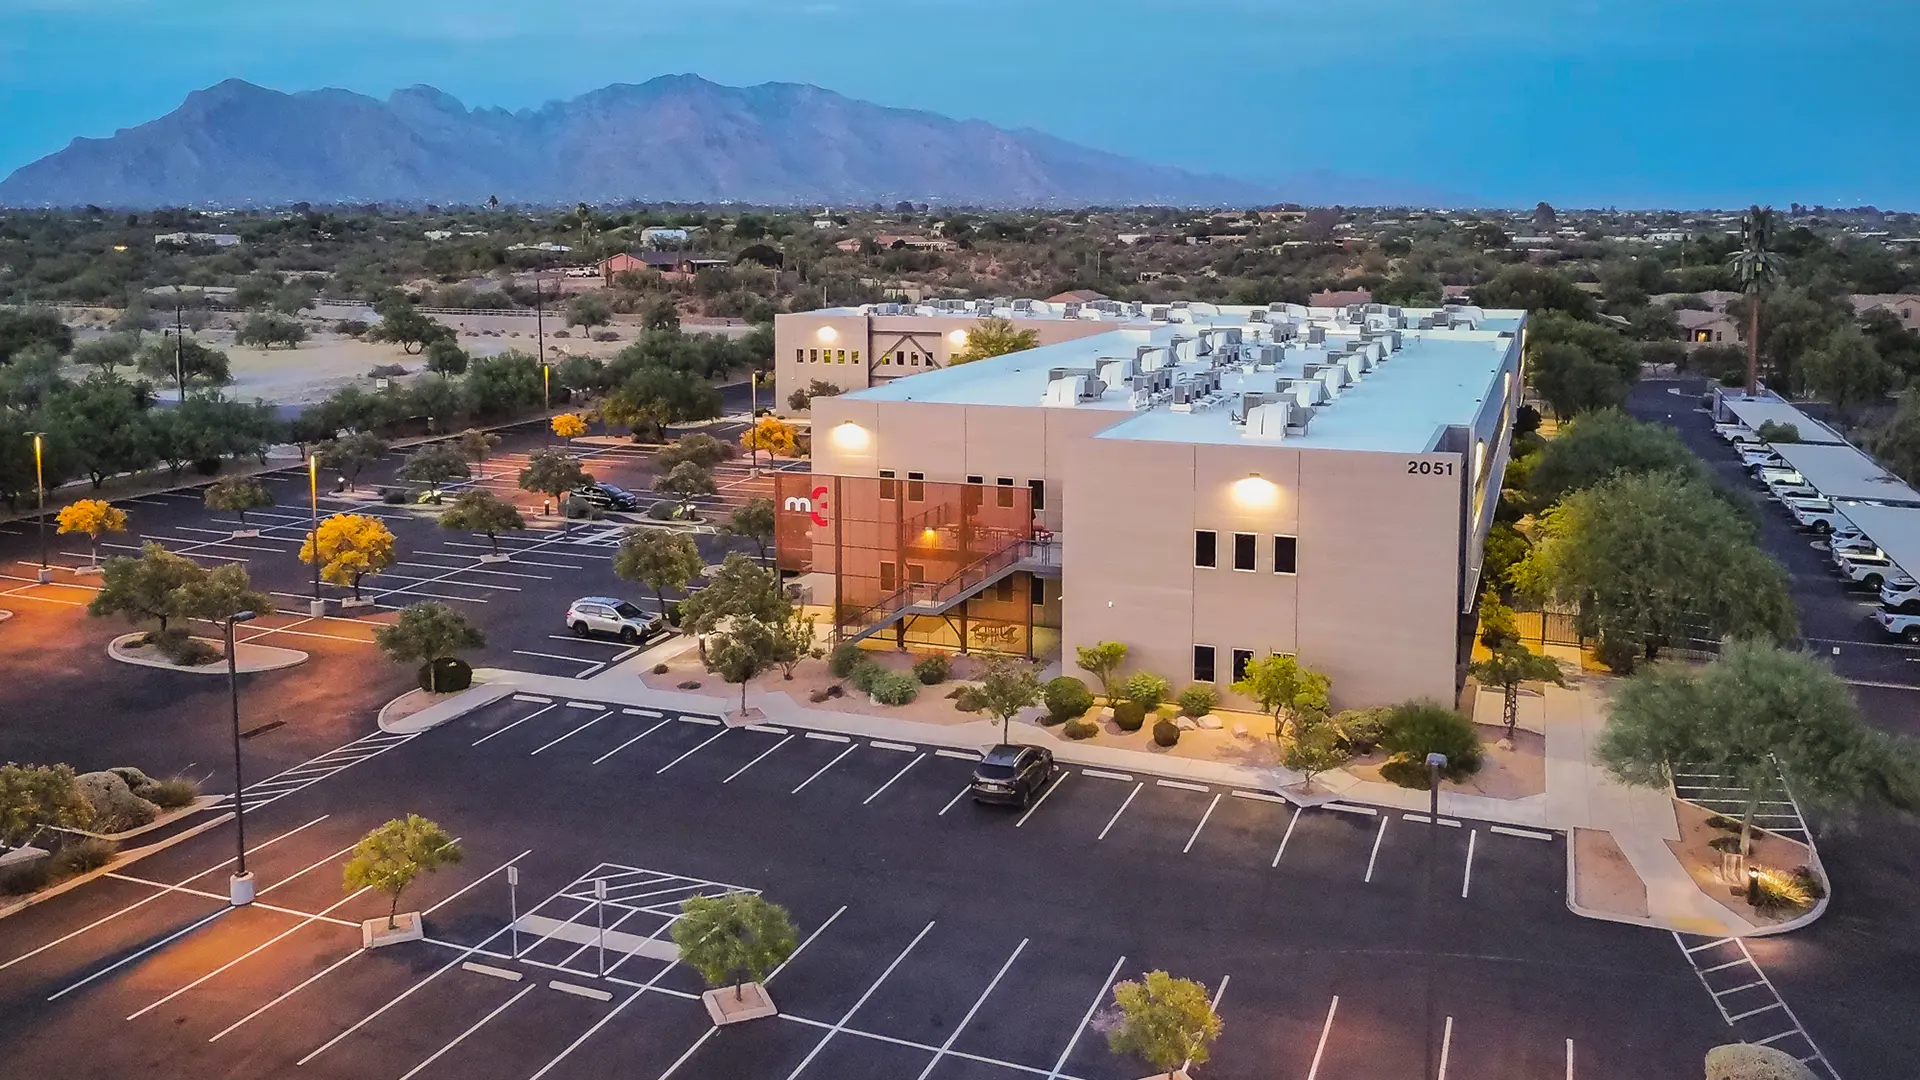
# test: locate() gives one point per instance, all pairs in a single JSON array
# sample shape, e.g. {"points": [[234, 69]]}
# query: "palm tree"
{"points": [[1755, 265]]}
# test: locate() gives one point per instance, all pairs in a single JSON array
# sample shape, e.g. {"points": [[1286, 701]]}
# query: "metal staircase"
{"points": [[1040, 558]]}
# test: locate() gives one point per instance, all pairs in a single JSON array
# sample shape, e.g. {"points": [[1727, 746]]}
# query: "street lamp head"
{"points": [[241, 616], [1436, 760]]}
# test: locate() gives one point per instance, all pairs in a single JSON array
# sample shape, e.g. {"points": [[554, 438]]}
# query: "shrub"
{"points": [[1361, 729], [393, 496], [659, 669], [1780, 891], [1724, 823], [1166, 733], [1066, 698], [1617, 654], [172, 794], [931, 670], [82, 855], [115, 807], [1080, 728], [1419, 728], [1129, 715], [351, 327], [182, 648], [449, 673], [1144, 688], [1197, 700], [386, 371], [1404, 771], [606, 335], [673, 613], [842, 659], [863, 673], [834, 691], [1746, 1061], [689, 684], [819, 696], [893, 688], [23, 878], [1725, 843]]}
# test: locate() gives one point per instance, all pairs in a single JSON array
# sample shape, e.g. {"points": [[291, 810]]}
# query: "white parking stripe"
{"points": [[1529, 834], [1466, 879], [555, 656], [1102, 774], [706, 721], [850, 749], [462, 1037], [690, 753], [1181, 784], [956, 798], [1260, 796], [889, 783], [827, 736], [1446, 1047], [1378, 836], [902, 747], [489, 969], [1057, 781], [961, 755], [954, 1035], [1122, 810], [1202, 825], [662, 722], [1325, 1029], [1291, 822], [572, 733], [309, 920], [841, 1026], [1098, 999], [124, 961], [510, 727], [784, 741]]}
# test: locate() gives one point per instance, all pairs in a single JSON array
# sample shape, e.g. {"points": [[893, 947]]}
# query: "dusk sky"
{"points": [[1638, 103]]}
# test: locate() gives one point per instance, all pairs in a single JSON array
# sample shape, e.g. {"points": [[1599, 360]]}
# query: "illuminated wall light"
{"points": [[958, 339], [1479, 458], [851, 437], [1254, 492], [827, 333]]}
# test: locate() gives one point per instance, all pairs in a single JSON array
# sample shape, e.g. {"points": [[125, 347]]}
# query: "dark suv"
{"points": [[606, 496], [1012, 774]]}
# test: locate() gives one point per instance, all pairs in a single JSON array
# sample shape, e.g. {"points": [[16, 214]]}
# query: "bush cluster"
{"points": [[932, 670], [1080, 728], [1145, 688], [1166, 733], [892, 687], [1197, 700], [842, 659], [1066, 698], [1129, 715], [115, 807]]}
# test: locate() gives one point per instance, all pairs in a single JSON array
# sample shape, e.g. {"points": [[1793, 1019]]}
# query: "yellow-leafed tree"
{"points": [[772, 434], [351, 547], [93, 517], [569, 426]]}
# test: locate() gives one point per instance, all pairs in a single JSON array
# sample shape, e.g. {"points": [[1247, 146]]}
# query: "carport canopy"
{"points": [[1754, 411], [1895, 528], [1843, 472]]}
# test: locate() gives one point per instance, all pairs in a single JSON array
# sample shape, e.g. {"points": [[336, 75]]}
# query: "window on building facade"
{"points": [[976, 479], [1203, 554], [887, 577], [1003, 492], [916, 487], [1245, 545], [916, 574], [799, 356], [813, 356], [888, 489], [1039, 490], [1284, 549], [1203, 663], [1241, 658], [856, 356], [1037, 591], [1003, 590]]}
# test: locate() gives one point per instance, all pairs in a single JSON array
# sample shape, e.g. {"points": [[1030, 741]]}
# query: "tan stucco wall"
{"points": [[875, 335]]}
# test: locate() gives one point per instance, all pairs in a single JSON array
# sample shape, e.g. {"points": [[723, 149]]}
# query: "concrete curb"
{"points": [[275, 658], [479, 695], [120, 862], [1819, 908]]}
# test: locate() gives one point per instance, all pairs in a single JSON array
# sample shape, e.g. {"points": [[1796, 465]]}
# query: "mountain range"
{"points": [[676, 138]]}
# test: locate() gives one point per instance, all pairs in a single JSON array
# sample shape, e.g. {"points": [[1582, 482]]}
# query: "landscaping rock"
{"points": [[115, 807], [1186, 723], [1742, 1061], [1239, 731], [1211, 722], [690, 684]]}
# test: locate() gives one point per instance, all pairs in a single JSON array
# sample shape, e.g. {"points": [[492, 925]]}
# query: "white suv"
{"points": [[1821, 519], [1871, 570], [1901, 596], [606, 615], [1899, 624]]}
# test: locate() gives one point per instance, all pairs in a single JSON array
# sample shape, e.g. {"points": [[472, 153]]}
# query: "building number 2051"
{"points": [[1430, 468]]}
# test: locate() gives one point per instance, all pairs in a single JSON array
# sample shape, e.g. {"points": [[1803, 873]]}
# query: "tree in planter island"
{"points": [[771, 434], [351, 546], [739, 589], [35, 798], [481, 511], [658, 559], [1758, 714], [476, 445], [148, 587], [218, 595], [753, 519], [1001, 692], [389, 858], [432, 635], [1510, 665], [742, 649], [553, 474], [795, 638], [433, 465], [1102, 660], [569, 426], [733, 940], [350, 455], [91, 517], [237, 495], [1169, 1023], [1317, 746], [1284, 687], [686, 482]]}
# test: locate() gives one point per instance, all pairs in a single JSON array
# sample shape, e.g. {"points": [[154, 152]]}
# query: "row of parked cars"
{"points": [[1856, 559]]}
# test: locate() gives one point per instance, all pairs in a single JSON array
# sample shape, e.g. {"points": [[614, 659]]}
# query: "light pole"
{"points": [[240, 888], [318, 608], [40, 486], [1436, 764], [179, 350]]}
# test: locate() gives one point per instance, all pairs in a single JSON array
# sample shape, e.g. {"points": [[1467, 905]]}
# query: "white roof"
{"points": [[1896, 529], [1842, 472], [1754, 411]]}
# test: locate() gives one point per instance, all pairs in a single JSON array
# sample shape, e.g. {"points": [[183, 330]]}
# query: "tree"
{"points": [[1004, 689], [506, 384], [569, 426], [550, 472], [1510, 665], [1651, 558], [753, 519], [741, 649], [1316, 747], [237, 495], [802, 398], [434, 464], [1535, 291], [403, 325], [103, 420], [796, 638], [267, 331], [1571, 381], [446, 357], [1756, 714], [477, 444], [686, 482], [184, 362], [1606, 443], [656, 395], [389, 858], [658, 559], [350, 455], [107, 353], [589, 310], [35, 798], [148, 587], [1169, 1023], [1544, 218], [733, 939], [425, 633], [1102, 660], [993, 337], [1755, 266], [91, 517], [219, 594], [1284, 687], [1897, 441], [772, 434], [1847, 370], [739, 589], [351, 546], [21, 330], [481, 511], [700, 448]]}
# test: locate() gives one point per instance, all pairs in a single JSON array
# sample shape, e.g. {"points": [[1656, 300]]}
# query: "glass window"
{"points": [[976, 479], [628, 611], [887, 485], [886, 577], [1039, 490], [1203, 663], [813, 356], [1244, 547], [1203, 554], [856, 356], [916, 487], [1003, 590], [842, 354], [1003, 493], [1037, 591], [1283, 553], [799, 356], [916, 573], [1241, 658]]}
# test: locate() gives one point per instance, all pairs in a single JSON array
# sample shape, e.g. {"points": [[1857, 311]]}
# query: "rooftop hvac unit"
{"points": [[1182, 394], [1306, 392], [1023, 305], [1072, 310], [1257, 315], [1374, 309], [1136, 310], [1336, 376], [1150, 358], [1426, 322], [1316, 334], [1270, 421], [1160, 314], [1065, 392], [1116, 372], [1393, 341]]}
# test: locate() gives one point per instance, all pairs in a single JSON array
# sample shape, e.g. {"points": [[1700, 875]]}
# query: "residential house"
{"points": [[1706, 327]]}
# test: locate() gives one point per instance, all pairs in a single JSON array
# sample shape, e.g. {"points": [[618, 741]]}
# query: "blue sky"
{"points": [[1579, 102]]}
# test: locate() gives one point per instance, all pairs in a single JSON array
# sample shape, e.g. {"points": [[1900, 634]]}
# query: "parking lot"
{"points": [[940, 938]]}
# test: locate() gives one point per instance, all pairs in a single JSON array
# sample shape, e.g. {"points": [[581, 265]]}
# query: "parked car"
{"points": [[1770, 475], [1736, 433], [620, 618], [1761, 454], [1009, 773], [606, 496], [1900, 624], [1899, 597], [1871, 570], [1821, 519]]}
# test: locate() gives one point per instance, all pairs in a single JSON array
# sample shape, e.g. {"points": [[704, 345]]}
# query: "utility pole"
{"points": [[179, 351], [539, 316]]}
